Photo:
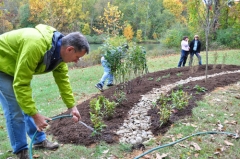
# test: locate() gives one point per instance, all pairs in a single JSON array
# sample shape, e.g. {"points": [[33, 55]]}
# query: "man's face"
{"points": [[70, 54]]}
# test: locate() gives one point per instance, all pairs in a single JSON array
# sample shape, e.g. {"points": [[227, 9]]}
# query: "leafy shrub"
{"points": [[119, 96], [164, 109], [174, 35], [229, 37], [199, 88], [217, 46], [179, 99]]}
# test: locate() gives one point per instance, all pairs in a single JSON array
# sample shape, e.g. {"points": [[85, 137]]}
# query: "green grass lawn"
{"points": [[49, 103]]}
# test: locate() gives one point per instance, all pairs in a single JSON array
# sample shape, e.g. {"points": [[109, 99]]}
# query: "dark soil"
{"points": [[66, 131]]}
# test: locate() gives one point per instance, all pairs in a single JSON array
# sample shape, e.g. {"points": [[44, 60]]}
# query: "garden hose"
{"points": [[54, 118], [172, 143]]}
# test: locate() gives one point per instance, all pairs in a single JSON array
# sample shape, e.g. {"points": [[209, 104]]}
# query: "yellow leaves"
{"points": [[86, 29], [139, 35], [228, 143], [175, 7], [196, 146], [69, 10], [59, 13], [128, 32], [161, 156], [110, 19]]}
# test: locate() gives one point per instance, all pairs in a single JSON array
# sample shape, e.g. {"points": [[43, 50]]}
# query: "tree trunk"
{"points": [[207, 35]]}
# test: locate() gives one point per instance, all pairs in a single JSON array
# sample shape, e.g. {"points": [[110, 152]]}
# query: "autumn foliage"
{"points": [[128, 32]]}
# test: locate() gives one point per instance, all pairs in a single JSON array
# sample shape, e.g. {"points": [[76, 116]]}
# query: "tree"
{"points": [[6, 25], [61, 14], [139, 35], [86, 29], [176, 8], [128, 32], [111, 19], [24, 15]]}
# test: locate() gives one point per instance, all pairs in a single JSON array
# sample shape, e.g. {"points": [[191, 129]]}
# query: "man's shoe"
{"points": [[23, 154], [46, 144], [109, 85], [99, 86]]}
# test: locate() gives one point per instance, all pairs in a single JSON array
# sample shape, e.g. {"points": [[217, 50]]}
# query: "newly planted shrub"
{"points": [[158, 79], [199, 88], [215, 57], [166, 76], [100, 107], [96, 115], [179, 99], [164, 110], [150, 78], [179, 74], [109, 108], [97, 122], [224, 60], [119, 96], [125, 60]]}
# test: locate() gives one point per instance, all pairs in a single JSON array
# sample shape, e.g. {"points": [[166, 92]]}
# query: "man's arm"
{"points": [[62, 79]]}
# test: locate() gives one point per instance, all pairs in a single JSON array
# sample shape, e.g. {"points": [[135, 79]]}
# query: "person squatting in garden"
{"points": [[195, 48], [26, 52], [184, 52], [107, 73]]}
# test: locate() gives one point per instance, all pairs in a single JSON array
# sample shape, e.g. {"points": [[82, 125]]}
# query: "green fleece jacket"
{"points": [[23, 53]]}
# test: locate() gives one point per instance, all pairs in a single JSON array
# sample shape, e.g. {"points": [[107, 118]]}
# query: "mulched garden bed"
{"points": [[65, 131]]}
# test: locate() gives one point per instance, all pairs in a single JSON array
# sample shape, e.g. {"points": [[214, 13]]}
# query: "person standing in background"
{"points": [[184, 52], [195, 48]]}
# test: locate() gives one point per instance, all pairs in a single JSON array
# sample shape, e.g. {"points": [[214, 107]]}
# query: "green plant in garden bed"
{"points": [[109, 108], [166, 76], [150, 79], [180, 87], [176, 100], [199, 88], [158, 79], [179, 99], [101, 107], [179, 74], [164, 109], [119, 96], [125, 60], [97, 122], [96, 115]]}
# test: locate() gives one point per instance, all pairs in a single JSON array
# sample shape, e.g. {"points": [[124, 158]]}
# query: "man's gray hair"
{"points": [[77, 40]]}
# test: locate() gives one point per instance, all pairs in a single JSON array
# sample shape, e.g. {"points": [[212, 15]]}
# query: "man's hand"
{"points": [[40, 121], [76, 115]]}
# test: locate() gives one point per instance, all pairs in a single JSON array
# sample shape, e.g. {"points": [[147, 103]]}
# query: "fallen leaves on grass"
{"points": [[230, 122], [237, 96], [196, 146], [36, 156], [228, 143], [161, 156], [179, 136], [189, 124], [182, 145], [220, 127]]}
